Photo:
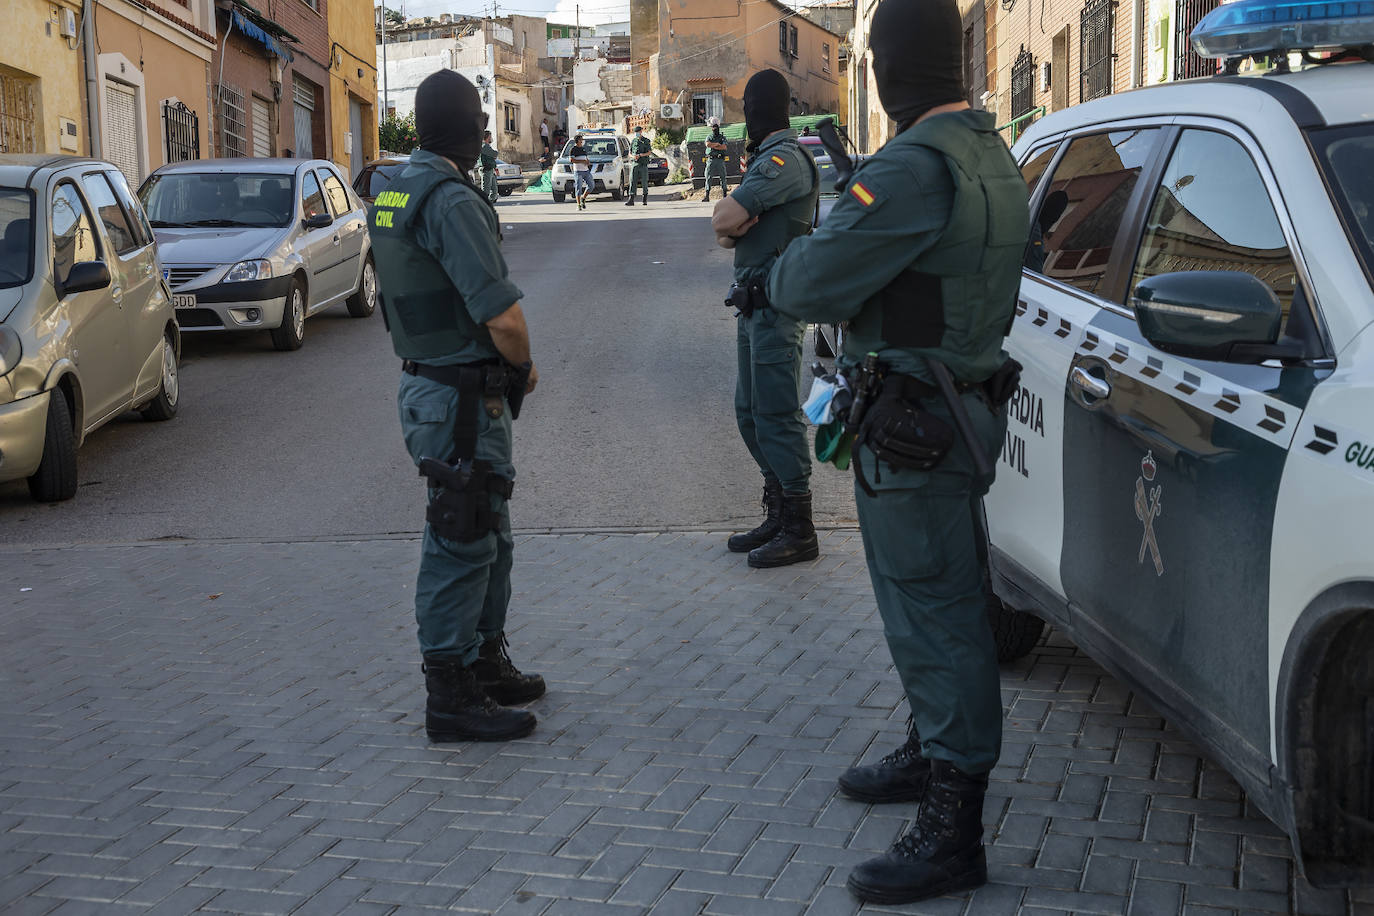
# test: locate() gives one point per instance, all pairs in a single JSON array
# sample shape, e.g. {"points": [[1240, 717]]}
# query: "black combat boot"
{"points": [[772, 521], [459, 709], [499, 677], [631, 201], [943, 853], [901, 776], [646, 197], [795, 540]]}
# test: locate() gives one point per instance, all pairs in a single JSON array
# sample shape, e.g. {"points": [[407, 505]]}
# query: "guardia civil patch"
{"points": [[862, 194], [779, 160]]}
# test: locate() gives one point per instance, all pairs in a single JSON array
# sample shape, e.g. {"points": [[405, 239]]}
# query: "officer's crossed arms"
{"points": [[730, 220]]}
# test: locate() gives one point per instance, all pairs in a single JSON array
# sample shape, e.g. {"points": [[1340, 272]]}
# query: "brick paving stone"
{"points": [[264, 751]]}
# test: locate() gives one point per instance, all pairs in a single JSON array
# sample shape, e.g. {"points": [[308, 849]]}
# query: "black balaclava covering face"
{"points": [[918, 62], [449, 118], [767, 98]]}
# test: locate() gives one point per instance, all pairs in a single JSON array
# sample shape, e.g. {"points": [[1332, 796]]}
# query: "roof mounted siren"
{"points": [[1260, 29]]}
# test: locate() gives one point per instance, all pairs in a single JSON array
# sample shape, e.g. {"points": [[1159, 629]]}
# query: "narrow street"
{"points": [[632, 425]]}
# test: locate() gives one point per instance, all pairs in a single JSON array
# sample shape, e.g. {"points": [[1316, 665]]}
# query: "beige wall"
{"points": [[353, 70], [160, 61], [32, 48]]}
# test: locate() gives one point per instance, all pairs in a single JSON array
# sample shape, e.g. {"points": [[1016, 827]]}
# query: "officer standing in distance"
{"points": [[488, 158], [773, 205], [455, 321], [715, 160], [640, 151], [922, 257]]}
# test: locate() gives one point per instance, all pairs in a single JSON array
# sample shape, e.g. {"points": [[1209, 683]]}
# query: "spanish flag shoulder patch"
{"points": [[862, 194], [778, 160]]}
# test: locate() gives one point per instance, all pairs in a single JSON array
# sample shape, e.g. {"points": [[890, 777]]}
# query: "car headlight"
{"points": [[257, 269], [11, 350]]}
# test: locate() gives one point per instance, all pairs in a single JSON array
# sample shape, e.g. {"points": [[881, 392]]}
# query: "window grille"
{"points": [[1022, 83], [233, 122], [181, 127], [1187, 63], [1095, 49], [18, 122], [792, 40], [511, 117], [782, 37], [825, 56]]}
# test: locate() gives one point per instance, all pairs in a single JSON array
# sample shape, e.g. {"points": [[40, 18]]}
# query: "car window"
{"points": [[338, 197], [73, 231], [137, 218], [312, 198], [1346, 154], [1212, 211], [599, 146], [213, 199], [16, 236], [1080, 214], [1036, 165], [117, 228]]}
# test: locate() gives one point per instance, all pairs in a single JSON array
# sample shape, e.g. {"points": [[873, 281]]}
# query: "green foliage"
{"points": [[397, 135], [679, 176], [394, 16], [669, 136]]}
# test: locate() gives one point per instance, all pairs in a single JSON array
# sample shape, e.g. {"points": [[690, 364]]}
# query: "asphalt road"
{"points": [[632, 424]]}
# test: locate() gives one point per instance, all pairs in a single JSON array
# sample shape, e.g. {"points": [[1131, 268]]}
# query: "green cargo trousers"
{"points": [[768, 400], [639, 178], [715, 172], [489, 184], [463, 590], [925, 545]]}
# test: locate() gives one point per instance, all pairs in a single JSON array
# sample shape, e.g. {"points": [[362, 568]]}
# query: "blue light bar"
{"points": [[1261, 27]]}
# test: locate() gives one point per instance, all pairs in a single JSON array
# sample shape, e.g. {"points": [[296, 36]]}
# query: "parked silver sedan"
{"points": [[260, 244]]}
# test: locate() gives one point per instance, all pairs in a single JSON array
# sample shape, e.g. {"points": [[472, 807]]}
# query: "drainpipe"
{"points": [[1137, 35], [92, 80]]}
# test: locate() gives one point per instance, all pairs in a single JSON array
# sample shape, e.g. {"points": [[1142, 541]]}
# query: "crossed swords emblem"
{"points": [[1147, 510]]}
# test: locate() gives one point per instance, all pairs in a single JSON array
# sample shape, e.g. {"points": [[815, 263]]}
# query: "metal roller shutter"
{"points": [[303, 95], [121, 130], [262, 129]]}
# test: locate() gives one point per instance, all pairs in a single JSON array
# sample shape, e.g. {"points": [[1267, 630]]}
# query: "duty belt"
{"points": [[485, 380]]}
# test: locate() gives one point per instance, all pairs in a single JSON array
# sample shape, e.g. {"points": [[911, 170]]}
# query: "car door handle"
{"points": [[116, 294], [1090, 383], [336, 238]]}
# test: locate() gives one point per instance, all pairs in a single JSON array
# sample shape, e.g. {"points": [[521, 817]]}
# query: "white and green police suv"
{"points": [[1187, 483]]}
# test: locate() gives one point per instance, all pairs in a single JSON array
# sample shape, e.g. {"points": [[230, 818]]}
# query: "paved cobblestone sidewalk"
{"points": [[238, 728]]}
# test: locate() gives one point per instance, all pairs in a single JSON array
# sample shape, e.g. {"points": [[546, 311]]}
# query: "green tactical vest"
{"points": [[757, 249], [423, 312], [955, 302]]}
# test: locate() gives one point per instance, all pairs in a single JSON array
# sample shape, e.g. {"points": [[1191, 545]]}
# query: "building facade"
{"points": [[353, 83], [253, 54], [701, 55], [41, 97]]}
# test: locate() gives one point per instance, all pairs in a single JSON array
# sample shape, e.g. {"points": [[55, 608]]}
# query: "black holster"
{"points": [[898, 429], [1002, 384], [747, 298], [460, 506]]}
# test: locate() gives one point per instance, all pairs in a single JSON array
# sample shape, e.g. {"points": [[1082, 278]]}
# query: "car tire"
{"points": [[617, 194], [163, 406], [505, 192], [363, 302], [291, 334], [823, 348], [55, 479], [559, 197], [1014, 632]]}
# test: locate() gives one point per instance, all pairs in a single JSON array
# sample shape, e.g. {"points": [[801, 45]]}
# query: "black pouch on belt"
{"points": [[901, 432], [1002, 384]]}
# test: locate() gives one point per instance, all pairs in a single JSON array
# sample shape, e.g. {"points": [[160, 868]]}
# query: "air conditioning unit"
{"points": [[670, 112]]}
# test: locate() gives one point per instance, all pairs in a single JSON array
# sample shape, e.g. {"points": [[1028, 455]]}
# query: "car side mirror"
{"points": [[318, 221], [1218, 315], [86, 276]]}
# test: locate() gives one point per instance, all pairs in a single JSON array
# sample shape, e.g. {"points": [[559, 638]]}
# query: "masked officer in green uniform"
{"points": [[715, 160], [640, 151], [774, 204], [922, 257], [455, 322], [488, 160]]}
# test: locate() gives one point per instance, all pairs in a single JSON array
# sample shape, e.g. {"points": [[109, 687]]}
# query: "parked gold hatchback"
{"points": [[87, 329]]}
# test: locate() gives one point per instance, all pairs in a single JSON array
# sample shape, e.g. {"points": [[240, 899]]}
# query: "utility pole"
{"points": [[386, 95]]}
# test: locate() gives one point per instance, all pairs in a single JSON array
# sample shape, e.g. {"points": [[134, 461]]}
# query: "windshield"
{"points": [[16, 236], [214, 199], [596, 146], [1346, 154]]}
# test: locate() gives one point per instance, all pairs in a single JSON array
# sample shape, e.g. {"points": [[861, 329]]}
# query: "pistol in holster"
{"points": [[746, 298], [460, 505]]}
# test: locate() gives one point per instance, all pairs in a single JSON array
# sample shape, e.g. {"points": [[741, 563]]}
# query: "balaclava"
{"points": [[917, 56], [767, 98], [449, 118]]}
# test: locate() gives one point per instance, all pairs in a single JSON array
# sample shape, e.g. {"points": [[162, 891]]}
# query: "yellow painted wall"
{"points": [[353, 47], [31, 46]]}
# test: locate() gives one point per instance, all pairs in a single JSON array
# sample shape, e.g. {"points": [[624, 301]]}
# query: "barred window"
{"points": [[1187, 63], [18, 119], [233, 122], [782, 37], [181, 127], [1022, 83], [1095, 49]]}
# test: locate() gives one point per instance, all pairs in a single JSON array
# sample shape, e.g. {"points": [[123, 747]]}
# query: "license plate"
{"points": [[183, 300]]}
